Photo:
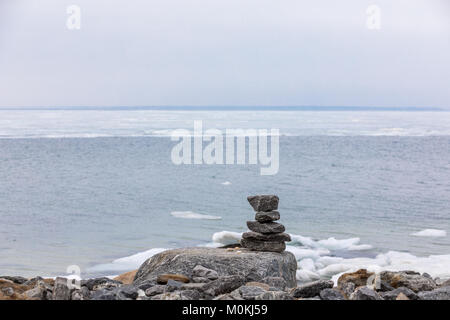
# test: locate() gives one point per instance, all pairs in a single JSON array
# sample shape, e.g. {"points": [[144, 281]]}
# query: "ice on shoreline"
{"points": [[317, 259], [126, 263]]}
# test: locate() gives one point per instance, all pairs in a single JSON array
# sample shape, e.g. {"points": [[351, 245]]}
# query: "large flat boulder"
{"points": [[252, 265]]}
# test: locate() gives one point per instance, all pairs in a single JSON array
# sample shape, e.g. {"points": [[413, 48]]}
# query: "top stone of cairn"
{"points": [[263, 202]]}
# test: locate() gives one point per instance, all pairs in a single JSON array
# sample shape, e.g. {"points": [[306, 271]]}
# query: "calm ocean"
{"points": [[97, 189]]}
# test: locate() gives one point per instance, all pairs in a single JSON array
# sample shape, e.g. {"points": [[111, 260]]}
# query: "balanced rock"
{"points": [[269, 227], [266, 234], [263, 245], [267, 216], [266, 237], [264, 202]]}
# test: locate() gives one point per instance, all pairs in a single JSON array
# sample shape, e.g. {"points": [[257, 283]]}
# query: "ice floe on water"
{"points": [[193, 215], [330, 243], [226, 237], [226, 183], [430, 233]]}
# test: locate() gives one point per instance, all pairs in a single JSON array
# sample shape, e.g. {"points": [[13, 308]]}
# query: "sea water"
{"points": [[97, 189]]}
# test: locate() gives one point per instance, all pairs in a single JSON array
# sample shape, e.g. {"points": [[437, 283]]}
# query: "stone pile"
{"points": [[265, 235]]}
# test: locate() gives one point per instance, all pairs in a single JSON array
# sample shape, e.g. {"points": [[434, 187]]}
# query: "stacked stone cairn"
{"points": [[265, 235]]}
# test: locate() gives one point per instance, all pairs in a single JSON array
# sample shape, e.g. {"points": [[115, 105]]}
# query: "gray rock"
{"points": [[268, 227], [17, 280], [144, 285], [41, 291], [267, 216], [331, 294], [264, 202], [385, 287], [76, 295], [104, 294], [393, 294], [173, 285], [8, 291], [365, 293], [251, 265], [155, 290], [226, 296], [250, 292], [275, 282], [193, 286], [263, 245], [409, 279], [347, 289], [33, 281], [86, 293], [100, 283], [200, 280], [127, 292], [81, 294], [442, 293], [277, 237], [190, 295], [36, 293], [61, 290], [274, 295], [202, 272], [233, 295], [312, 298], [312, 289], [445, 283], [168, 296], [223, 285]]}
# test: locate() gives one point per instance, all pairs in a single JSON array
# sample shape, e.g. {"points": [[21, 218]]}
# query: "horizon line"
{"points": [[224, 108]]}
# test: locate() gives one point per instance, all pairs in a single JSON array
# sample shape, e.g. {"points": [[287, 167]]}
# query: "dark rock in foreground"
{"points": [[264, 202], [393, 294], [216, 286], [331, 294], [409, 279], [442, 293], [312, 289], [365, 293], [252, 265]]}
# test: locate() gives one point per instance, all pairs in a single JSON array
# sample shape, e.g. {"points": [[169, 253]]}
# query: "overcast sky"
{"points": [[225, 52]]}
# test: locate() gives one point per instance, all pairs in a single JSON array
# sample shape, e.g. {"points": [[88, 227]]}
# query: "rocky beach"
{"points": [[226, 274], [257, 268]]}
